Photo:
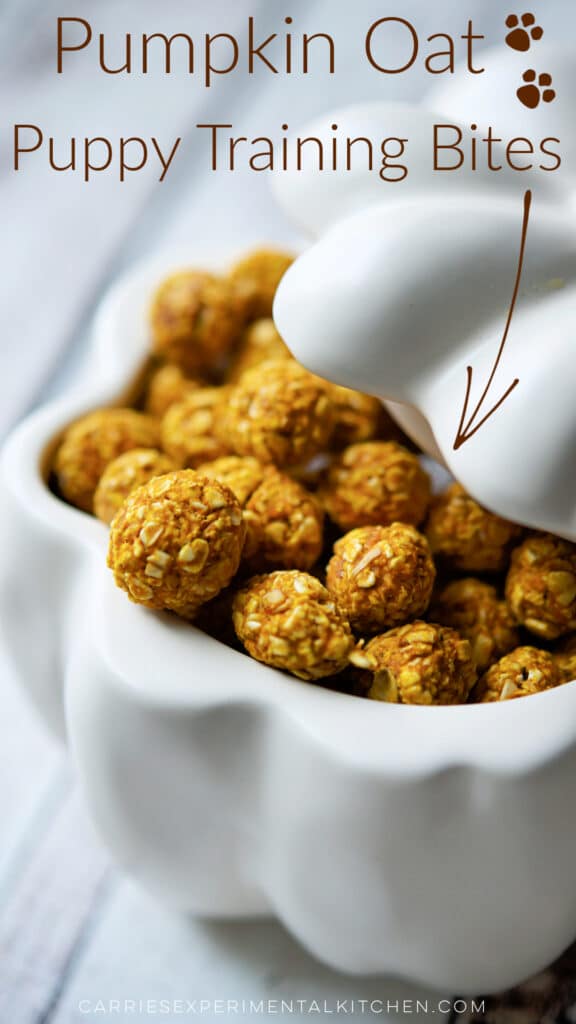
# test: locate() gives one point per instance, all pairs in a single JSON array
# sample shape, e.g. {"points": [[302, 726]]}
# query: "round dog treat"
{"points": [[259, 343], [285, 525], [167, 387], [375, 484], [189, 428], [195, 320], [124, 474], [176, 542], [381, 576], [284, 522], [289, 620], [474, 609], [278, 413], [242, 474], [525, 671], [541, 585], [358, 417], [565, 658], [420, 663], [256, 279], [91, 443], [468, 537]]}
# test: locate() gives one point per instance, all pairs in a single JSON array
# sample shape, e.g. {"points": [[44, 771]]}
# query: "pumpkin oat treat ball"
{"points": [[381, 576], [288, 620], [466, 536], [189, 428], [419, 663], [358, 417], [284, 522], [259, 343], [475, 610], [124, 474], [541, 585], [242, 474], [279, 413], [92, 442], [523, 672], [285, 525], [375, 484], [256, 278], [177, 542], [167, 386], [195, 321]]}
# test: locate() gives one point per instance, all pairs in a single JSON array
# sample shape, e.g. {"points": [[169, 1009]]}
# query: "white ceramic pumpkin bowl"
{"points": [[438, 844]]}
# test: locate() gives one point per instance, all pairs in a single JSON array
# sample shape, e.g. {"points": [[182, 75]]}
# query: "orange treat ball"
{"points": [[468, 537], [565, 658], [525, 671], [176, 542], [189, 428], [242, 474], [167, 386], [420, 663], [285, 525], [358, 417], [474, 609], [284, 522], [288, 620], [381, 576], [541, 585], [375, 484], [256, 278], [278, 413], [195, 321], [124, 474], [260, 342], [91, 443]]}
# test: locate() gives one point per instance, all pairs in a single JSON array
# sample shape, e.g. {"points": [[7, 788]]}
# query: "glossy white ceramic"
{"points": [[409, 286], [434, 843]]}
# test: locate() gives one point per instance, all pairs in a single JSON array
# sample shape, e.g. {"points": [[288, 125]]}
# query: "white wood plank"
{"points": [[31, 774], [138, 951], [46, 913]]}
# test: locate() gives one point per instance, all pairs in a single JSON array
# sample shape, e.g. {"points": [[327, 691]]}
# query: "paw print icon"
{"points": [[536, 90], [523, 32]]}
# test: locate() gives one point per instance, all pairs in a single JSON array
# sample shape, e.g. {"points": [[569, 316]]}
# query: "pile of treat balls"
{"points": [[288, 515]]}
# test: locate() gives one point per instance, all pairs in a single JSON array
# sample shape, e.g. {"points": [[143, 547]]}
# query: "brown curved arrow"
{"points": [[467, 430]]}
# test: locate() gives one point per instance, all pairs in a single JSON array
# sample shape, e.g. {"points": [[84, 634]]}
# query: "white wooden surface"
{"points": [[73, 931]]}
